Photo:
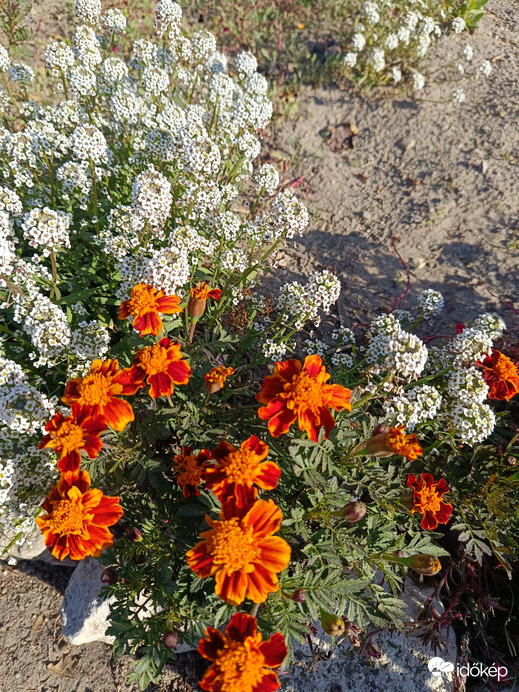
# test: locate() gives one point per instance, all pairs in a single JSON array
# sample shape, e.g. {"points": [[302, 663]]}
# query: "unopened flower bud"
{"points": [[133, 534], [109, 576], [424, 564], [354, 511], [170, 640], [381, 429], [510, 460], [198, 299], [332, 624], [215, 378], [299, 596]]}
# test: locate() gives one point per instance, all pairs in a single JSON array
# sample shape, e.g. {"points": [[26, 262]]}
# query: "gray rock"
{"points": [[402, 666], [84, 614], [406, 144]]}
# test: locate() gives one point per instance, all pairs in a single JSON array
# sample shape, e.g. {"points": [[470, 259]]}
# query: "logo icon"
{"points": [[437, 666]]}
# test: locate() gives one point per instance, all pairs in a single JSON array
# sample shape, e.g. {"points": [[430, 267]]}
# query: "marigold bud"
{"points": [[109, 576], [354, 511], [332, 624], [198, 299], [133, 534], [424, 564], [299, 596], [215, 378], [510, 460], [170, 640]]}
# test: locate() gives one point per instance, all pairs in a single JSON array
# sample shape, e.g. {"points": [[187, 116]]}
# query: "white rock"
{"points": [[84, 614]]}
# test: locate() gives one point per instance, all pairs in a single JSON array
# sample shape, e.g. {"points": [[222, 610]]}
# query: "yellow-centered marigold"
{"points": [[98, 393], [146, 304], [77, 518], [299, 392], [161, 366], [427, 500], [241, 660], [241, 552], [239, 472], [189, 470]]}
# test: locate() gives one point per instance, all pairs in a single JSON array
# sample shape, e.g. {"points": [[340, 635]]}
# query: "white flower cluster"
{"points": [[472, 422], [267, 178], [314, 346], [343, 335], [391, 349], [151, 197], [417, 405], [430, 303], [89, 341], [272, 350], [471, 345], [304, 303], [466, 386], [47, 229]]}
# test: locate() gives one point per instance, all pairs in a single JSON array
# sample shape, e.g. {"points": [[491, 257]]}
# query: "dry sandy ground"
{"points": [[441, 177]]}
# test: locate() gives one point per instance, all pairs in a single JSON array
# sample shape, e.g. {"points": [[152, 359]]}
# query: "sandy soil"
{"points": [[441, 177]]}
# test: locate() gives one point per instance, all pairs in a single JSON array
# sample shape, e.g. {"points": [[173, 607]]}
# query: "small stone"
{"points": [[406, 143]]}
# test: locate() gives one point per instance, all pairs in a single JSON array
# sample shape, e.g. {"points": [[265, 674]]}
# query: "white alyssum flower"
{"points": [[458, 25], [418, 81]]}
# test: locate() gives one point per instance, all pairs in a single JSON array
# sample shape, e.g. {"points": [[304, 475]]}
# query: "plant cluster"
{"points": [[156, 409]]}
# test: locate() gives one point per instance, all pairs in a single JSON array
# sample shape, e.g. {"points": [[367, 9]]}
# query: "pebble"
{"points": [[406, 143]]}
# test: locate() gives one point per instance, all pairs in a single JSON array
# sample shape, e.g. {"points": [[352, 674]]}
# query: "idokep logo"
{"points": [[437, 666]]}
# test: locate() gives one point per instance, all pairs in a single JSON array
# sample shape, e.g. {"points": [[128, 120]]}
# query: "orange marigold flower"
{"points": [[189, 470], [77, 519], [215, 378], [241, 551], [241, 659], [198, 299], [239, 472], [146, 304], [161, 366], [99, 390], [500, 374], [296, 391], [67, 436], [427, 499], [390, 441]]}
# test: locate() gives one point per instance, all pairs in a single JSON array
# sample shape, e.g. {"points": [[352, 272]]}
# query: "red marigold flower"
{"points": [[198, 299], [393, 441], [214, 380], [500, 374], [296, 391], [241, 659], [161, 366], [99, 390], [239, 472], [189, 470], [67, 436], [147, 304], [427, 499], [241, 551], [77, 519]]}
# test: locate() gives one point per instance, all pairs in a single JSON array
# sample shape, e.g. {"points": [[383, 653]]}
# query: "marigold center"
{"points": [[68, 517], [231, 545], [303, 392], [240, 666], [241, 466], [94, 389], [426, 500], [153, 359], [142, 300], [68, 437]]}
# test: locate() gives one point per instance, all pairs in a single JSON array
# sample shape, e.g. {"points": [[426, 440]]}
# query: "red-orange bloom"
{"points": [[296, 391], [146, 304], [239, 472], [394, 441], [161, 366], [67, 436], [189, 469], [500, 374], [427, 500], [77, 519], [241, 659], [198, 299], [215, 379], [98, 393], [241, 551]]}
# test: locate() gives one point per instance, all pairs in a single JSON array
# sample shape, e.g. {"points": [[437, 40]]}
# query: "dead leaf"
{"points": [[342, 136], [64, 667], [37, 623]]}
